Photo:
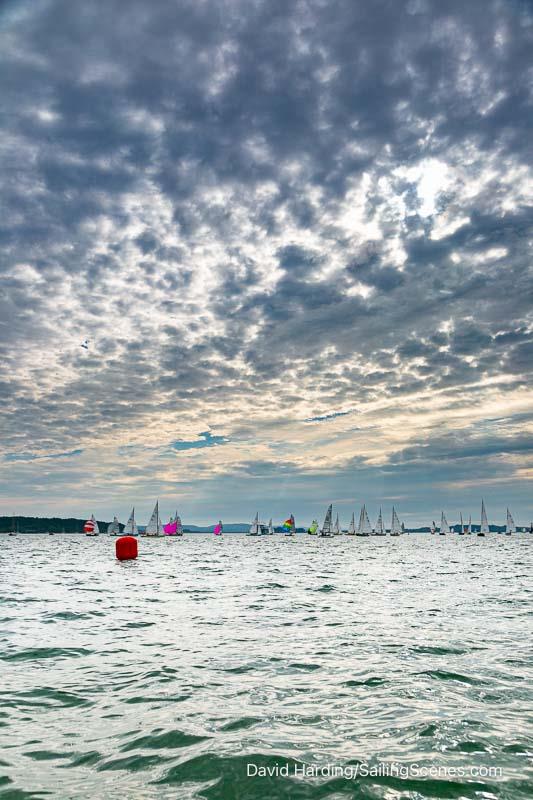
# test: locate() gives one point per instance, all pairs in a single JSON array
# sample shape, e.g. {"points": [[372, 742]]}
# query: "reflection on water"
{"points": [[167, 676]]}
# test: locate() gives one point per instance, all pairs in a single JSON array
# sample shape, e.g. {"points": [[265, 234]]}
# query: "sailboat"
{"points": [[510, 527], [325, 531], [444, 527], [364, 528], [14, 528], [255, 527], [173, 527], [154, 527], [270, 530], [461, 526], [289, 526], [130, 528], [433, 528], [380, 530], [313, 528], [484, 527], [113, 528], [91, 527], [395, 528], [468, 529], [336, 528], [218, 530], [351, 527]]}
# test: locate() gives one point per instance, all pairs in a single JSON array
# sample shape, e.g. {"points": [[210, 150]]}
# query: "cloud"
{"points": [[260, 214]]}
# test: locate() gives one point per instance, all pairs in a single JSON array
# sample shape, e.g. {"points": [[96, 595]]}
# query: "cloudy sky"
{"points": [[298, 239]]}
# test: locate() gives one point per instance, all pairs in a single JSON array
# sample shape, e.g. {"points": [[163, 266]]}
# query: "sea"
{"points": [[265, 668]]}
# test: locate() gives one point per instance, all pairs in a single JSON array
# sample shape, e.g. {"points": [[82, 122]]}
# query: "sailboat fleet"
{"points": [[155, 528]]}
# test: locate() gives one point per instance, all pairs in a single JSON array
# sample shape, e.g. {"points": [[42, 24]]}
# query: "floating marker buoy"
{"points": [[126, 548]]}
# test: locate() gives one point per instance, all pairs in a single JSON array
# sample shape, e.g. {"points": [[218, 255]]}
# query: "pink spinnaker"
{"points": [[217, 530], [170, 528]]}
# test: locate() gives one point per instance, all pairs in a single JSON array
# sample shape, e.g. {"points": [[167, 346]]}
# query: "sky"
{"points": [[297, 237]]}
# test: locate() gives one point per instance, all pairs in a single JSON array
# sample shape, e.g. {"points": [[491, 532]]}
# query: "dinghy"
{"points": [[289, 526], [257, 528], [173, 527], [444, 527], [218, 530], [364, 527], [154, 527], [484, 527], [379, 530], [351, 526], [325, 531], [113, 528], [433, 528], [91, 527], [510, 527], [131, 526], [395, 528], [313, 528], [336, 528]]}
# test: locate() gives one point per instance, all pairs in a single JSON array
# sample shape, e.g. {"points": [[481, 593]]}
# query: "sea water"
{"points": [[272, 667]]}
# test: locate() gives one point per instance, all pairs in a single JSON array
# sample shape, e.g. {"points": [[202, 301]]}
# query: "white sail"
{"points": [[444, 527], [379, 531], [395, 528], [255, 527], [468, 528], [510, 527], [326, 528], [270, 527], [365, 528], [113, 528], [96, 528], [484, 521], [154, 526], [131, 525], [336, 527], [351, 527]]}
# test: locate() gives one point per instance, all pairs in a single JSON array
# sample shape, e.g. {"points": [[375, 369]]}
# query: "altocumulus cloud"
{"points": [[259, 214]]}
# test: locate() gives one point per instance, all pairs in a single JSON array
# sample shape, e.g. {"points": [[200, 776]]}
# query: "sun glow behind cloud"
{"points": [[308, 242]]}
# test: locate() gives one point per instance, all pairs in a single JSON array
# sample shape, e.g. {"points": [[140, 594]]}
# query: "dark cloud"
{"points": [[260, 212]]}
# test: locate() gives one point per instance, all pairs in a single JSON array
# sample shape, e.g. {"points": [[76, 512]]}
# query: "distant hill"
{"points": [[47, 525]]}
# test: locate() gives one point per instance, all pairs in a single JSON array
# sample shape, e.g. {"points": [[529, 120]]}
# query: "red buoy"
{"points": [[126, 548]]}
